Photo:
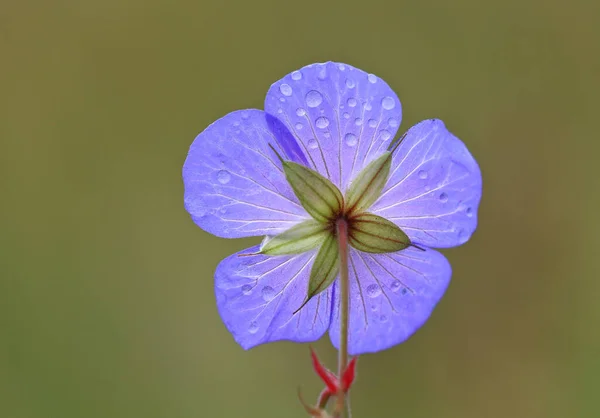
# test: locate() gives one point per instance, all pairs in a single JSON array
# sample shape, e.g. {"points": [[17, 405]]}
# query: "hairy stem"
{"points": [[342, 237]]}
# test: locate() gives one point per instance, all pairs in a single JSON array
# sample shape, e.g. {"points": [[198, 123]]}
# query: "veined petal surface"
{"points": [[342, 117], [434, 187], [234, 183], [391, 296], [258, 294]]}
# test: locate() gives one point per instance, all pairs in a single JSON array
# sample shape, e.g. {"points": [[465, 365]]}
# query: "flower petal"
{"points": [[343, 117], [434, 187], [234, 184], [257, 295], [391, 296]]}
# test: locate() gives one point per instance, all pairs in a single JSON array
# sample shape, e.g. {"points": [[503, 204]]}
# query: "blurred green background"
{"points": [[106, 288]]}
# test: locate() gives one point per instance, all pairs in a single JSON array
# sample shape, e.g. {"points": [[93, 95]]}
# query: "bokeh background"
{"points": [[106, 288]]}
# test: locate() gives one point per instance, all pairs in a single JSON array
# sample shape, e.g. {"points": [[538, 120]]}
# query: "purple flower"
{"points": [[338, 121]]}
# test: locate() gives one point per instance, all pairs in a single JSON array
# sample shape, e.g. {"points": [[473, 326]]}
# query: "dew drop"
{"points": [[342, 67], [322, 73], [374, 308], [443, 197], [298, 126], [268, 293], [282, 100], [352, 102], [313, 98], [246, 289], [223, 177], [396, 285], [346, 115], [383, 318], [300, 112], [404, 291], [469, 212], [312, 144], [423, 174], [322, 122], [327, 135], [350, 83], [358, 121], [245, 115], [372, 78], [462, 234], [253, 327], [372, 123], [367, 106], [351, 139], [236, 123], [280, 110], [393, 122], [286, 90], [296, 75], [385, 135], [373, 290], [199, 213], [387, 103]]}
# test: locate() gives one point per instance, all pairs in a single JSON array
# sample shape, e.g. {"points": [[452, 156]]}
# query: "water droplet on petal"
{"points": [[312, 144], [342, 67], [286, 90], [322, 73], [223, 177], [385, 135], [383, 318], [246, 289], [322, 122], [298, 126], [351, 139], [469, 212], [300, 112], [372, 123], [358, 121], [296, 75], [374, 308], [396, 285], [393, 122], [443, 197], [387, 103], [404, 291], [327, 135], [423, 174], [245, 115], [352, 102], [236, 123], [313, 98], [282, 100], [253, 327], [372, 78], [350, 83], [346, 115], [367, 106], [373, 290], [268, 293]]}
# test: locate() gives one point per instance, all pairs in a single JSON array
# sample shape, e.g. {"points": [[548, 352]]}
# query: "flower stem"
{"points": [[342, 236]]}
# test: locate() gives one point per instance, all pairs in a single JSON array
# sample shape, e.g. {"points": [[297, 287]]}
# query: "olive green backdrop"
{"points": [[106, 288]]}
